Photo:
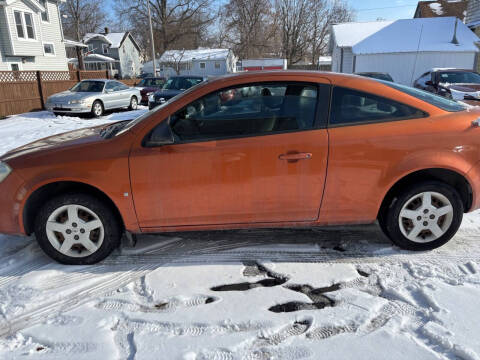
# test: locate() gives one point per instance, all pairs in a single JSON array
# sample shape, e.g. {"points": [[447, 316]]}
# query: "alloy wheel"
{"points": [[133, 104], [425, 217], [97, 109], [75, 230]]}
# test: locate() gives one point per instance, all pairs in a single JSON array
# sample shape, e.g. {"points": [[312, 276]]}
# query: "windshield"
{"points": [[459, 77], [88, 86], [181, 83], [152, 82], [435, 100]]}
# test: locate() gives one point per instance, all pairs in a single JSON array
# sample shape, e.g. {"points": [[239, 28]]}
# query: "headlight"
{"points": [[151, 97], [81, 101], [4, 171]]}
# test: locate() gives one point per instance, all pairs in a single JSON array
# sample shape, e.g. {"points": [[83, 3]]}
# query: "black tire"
{"points": [[97, 113], [392, 213], [111, 224], [132, 100]]}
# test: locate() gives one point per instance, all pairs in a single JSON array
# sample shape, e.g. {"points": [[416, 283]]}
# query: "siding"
{"points": [[32, 50], [473, 12], [407, 67], [129, 59], [347, 60]]}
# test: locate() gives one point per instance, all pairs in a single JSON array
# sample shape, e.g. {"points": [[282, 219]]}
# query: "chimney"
{"points": [[106, 30]]}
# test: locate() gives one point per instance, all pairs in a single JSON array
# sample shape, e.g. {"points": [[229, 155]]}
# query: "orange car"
{"points": [[270, 149]]}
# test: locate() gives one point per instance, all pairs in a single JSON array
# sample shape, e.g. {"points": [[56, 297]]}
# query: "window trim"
{"points": [[24, 25], [317, 123], [200, 65], [45, 12], [53, 48], [358, 123], [90, 47], [105, 46]]}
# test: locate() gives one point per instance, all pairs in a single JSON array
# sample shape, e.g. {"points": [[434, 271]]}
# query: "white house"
{"points": [[31, 36], [200, 62], [403, 48]]}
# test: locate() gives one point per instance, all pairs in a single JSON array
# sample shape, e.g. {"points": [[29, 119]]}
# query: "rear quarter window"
{"points": [[351, 107]]}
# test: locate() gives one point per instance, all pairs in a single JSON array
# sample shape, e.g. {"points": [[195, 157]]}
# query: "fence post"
{"points": [[108, 74], [40, 88], [78, 75]]}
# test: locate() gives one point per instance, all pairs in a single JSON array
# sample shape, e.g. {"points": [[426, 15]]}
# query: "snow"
{"points": [[406, 35], [436, 8], [213, 295], [114, 39]]}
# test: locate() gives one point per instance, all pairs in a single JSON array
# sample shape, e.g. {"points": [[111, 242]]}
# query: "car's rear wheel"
{"points": [[77, 229], [133, 103], [97, 108], [423, 216]]}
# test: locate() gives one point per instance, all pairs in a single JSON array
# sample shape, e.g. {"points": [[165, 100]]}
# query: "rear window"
{"points": [[435, 100]]}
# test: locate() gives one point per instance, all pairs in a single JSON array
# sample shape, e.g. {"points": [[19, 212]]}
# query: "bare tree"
{"points": [[81, 17], [176, 23], [174, 60], [323, 15], [248, 27]]}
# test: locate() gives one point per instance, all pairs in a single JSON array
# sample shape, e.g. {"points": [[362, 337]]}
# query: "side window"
{"points": [[120, 86], [354, 107], [424, 78], [110, 86], [247, 110]]}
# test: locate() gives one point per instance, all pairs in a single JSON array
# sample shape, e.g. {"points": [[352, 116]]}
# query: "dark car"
{"points": [[174, 86], [148, 86], [456, 84], [376, 75]]}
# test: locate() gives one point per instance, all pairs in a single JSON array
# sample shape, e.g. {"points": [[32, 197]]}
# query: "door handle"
{"points": [[294, 157]]}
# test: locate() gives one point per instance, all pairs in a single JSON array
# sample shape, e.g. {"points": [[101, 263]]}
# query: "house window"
{"points": [[217, 65], [15, 67], [45, 16], [202, 65], [29, 25], [19, 23], [105, 48], [90, 47], [48, 49]]}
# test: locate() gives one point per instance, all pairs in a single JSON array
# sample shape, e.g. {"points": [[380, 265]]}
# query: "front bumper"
{"points": [[69, 108], [12, 196]]}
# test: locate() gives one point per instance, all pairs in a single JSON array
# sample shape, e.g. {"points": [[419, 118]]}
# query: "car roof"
{"points": [[104, 80], [188, 76], [451, 69]]}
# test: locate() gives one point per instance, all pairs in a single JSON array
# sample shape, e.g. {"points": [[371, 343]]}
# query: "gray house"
{"points": [[31, 36], [118, 52]]}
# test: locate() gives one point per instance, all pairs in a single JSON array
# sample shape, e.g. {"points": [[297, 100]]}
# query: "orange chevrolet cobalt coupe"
{"points": [[271, 149]]}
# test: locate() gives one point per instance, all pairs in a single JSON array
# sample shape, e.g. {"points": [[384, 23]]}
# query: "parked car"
{"points": [[174, 86], [148, 86], [252, 150], [376, 75], [454, 84], [94, 96]]}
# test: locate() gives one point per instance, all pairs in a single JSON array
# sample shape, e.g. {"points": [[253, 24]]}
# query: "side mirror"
{"points": [[429, 83], [108, 91], [161, 135]]}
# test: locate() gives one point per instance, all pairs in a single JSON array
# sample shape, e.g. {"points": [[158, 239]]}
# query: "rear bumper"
{"points": [[11, 199]]}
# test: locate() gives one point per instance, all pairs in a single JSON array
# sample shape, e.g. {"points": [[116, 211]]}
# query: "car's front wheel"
{"points": [[133, 103], [423, 216], [77, 229], [97, 108]]}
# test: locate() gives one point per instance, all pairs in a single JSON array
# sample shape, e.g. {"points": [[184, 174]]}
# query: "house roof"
{"points": [[73, 43], [325, 60], [427, 9], [406, 35], [93, 58], [189, 55], [115, 39]]}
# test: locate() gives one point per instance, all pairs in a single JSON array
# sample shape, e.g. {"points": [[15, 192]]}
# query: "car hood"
{"points": [[76, 137], [462, 87], [167, 93], [70, 95]]}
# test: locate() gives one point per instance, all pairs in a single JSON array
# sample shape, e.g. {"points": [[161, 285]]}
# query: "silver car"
{"points": [[94, 96]]}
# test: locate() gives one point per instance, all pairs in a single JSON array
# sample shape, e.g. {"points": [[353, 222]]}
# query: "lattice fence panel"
{"points": [[58, 75], [93, 75], [18, 76]]}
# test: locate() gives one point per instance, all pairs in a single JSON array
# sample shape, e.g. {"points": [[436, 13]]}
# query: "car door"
{"points": [[109, 96], [123, 94], [248, 154]]}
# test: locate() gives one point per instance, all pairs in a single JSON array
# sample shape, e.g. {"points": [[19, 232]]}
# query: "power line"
{"points": [[388, 7]]}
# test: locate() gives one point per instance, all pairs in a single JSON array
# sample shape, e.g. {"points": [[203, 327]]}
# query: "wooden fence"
{"points": [[24, 91]]}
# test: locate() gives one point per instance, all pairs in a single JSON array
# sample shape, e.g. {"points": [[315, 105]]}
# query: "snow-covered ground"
{"points": [[334, 293]]}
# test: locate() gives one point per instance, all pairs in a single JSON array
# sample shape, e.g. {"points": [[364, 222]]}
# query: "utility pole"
{"points": [[151, 39]]}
